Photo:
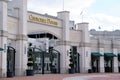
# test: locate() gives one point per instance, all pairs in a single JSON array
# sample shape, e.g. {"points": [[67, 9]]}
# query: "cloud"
{"points": [[107, 22], [51, 7], [75, 7]]}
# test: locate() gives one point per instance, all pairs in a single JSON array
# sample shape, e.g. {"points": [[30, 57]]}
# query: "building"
{"points": [[19, 26]]}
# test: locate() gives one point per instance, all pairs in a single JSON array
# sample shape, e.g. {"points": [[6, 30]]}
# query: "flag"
{"points": [[81, 12], [99, 27]]}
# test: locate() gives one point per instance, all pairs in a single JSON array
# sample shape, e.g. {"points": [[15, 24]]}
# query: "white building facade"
{"points": [[17, 26]]}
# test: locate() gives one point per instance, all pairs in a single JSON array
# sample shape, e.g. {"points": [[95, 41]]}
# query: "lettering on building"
{"points": [[43, 20]]}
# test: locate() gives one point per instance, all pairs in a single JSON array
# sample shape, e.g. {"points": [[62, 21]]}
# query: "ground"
{"points": [[77, 76]]}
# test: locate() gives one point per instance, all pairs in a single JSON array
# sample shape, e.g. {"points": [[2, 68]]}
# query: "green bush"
{"points": [[71, 59], [30, 57]]}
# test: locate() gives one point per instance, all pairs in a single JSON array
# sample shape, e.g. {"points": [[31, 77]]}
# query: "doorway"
{"points": [[95, 61], [43, 63], [109, 62], [11, 59]]}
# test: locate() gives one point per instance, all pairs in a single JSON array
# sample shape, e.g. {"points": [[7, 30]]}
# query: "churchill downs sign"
{"points": [[43, 20]]}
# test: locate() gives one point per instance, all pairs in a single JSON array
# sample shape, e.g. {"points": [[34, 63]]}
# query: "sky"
{"points": [[98, 13]]}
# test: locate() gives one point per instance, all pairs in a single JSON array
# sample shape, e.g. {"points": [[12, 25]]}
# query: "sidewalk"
{"points": [[80, 76]]}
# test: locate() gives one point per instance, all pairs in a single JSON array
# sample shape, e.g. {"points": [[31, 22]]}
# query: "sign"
{"points": [[44, 20]]}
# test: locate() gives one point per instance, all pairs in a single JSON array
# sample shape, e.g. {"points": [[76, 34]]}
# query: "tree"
{"points": [[71, 59], [30, 71], [30, 57]]}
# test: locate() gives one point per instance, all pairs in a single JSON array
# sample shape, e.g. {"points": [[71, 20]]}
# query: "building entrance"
{"points": [[46, 58], [76, 59], [108, 61], [95, 64], [46, 62], [95, 61], [108, 64], [10, 61]]}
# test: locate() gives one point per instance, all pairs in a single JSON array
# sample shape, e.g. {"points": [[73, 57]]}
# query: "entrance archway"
{"points": [[46, 62], [95, 61], [109, 61], [11, 61], [43, 53]]}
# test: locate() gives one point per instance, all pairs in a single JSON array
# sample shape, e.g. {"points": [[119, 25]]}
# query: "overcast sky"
{"points": [[103, 13]]}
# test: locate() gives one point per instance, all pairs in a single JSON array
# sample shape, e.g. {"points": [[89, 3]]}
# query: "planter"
{"points": [[53, 70], [71, 71], [29, 72], [90, 71], [10, 74]]}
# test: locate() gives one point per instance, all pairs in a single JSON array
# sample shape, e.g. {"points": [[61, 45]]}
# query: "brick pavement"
{"points": [[80, 76]]}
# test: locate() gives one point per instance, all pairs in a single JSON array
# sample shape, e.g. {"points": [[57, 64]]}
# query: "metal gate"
{"points": [[11, 59], [42, 61]]}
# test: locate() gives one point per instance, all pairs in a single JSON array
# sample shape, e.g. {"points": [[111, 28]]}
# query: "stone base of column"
{"points": [[63, 70], [3, 73], [84, 69], [102, 69], [20, 72], [115, 69]]}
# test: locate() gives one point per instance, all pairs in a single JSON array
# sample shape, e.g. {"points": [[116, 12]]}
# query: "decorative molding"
{"points": [[3, 33], [101, 45], [63, 42], [21, 37], [115, 46], [85, 44], [4, 0]]}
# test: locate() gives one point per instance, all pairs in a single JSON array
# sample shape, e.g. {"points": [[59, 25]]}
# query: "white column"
{"points": [[101, 50], [63, 45], [3, 37], [21, 40], [85, 57], [115, 59], [21, 58], [64, 58]]}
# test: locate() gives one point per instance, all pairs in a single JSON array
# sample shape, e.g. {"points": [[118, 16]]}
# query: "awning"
{"points": [[109, 55], [96, 54]]}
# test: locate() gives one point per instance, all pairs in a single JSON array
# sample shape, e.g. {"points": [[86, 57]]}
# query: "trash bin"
{"points": [[89, 70]]}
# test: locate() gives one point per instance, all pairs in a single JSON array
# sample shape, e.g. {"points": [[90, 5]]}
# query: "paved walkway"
{"points": [[80, 76]]}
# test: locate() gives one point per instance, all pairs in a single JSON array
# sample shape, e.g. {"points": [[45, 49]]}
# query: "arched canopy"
{"points": [[41, 35]]}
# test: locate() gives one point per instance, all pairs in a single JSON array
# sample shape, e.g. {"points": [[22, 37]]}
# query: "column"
{"points": [[21, 39], [85, 55], [115, 59], [3, 37], [101, 51], [64, 46]]}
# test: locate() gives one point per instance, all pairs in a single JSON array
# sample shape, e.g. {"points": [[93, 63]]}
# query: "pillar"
{"points": [[63, 46], [21, 39], [115, 59], [85, 55], [3, 37], [101, 51]]}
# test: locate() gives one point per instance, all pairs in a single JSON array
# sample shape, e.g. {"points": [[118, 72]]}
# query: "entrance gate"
{"points": [[108, 64], [95, 61], [42, 61], [95, 64], [11, 60], [109, 59]]}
